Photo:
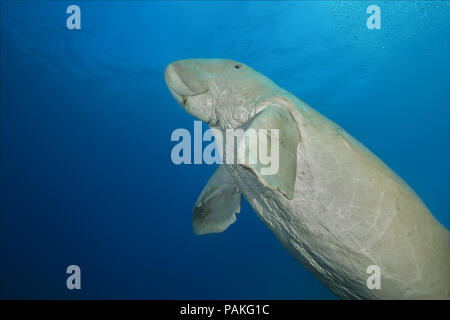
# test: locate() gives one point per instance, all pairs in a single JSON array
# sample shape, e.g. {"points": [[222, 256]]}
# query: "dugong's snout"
{"points": [[188, 83]]}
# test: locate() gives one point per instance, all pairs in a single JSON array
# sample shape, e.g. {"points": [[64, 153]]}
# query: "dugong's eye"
{"points": [[237, 66]]}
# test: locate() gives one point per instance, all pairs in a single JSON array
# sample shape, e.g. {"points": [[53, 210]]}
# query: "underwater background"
{"points": [[86, 118]]}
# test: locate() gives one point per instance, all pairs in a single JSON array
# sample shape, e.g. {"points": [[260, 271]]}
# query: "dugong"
{"points": [[338, 209]]}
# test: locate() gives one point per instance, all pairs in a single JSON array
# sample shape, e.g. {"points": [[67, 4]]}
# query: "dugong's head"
{"points": [[227, 94], [223, 93]]}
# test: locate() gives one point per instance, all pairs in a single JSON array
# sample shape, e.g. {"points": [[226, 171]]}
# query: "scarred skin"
{"points": [[349, 210]]}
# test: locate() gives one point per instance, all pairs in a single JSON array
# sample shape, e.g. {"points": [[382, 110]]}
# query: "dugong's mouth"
{"points": [[183, 99], [180, 88], [189, 92]]}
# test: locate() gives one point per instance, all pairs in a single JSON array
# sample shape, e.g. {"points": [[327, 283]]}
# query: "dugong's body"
{"points": [[334, 205]]}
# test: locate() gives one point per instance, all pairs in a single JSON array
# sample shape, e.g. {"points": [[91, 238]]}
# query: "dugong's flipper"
{"points": [[279, 176], [217, 205]]}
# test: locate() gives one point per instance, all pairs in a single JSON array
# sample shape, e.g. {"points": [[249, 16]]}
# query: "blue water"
{"points": [[86, 175]]}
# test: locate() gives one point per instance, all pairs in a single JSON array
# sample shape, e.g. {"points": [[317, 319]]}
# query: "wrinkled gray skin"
{"points": [[348, 209]]}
